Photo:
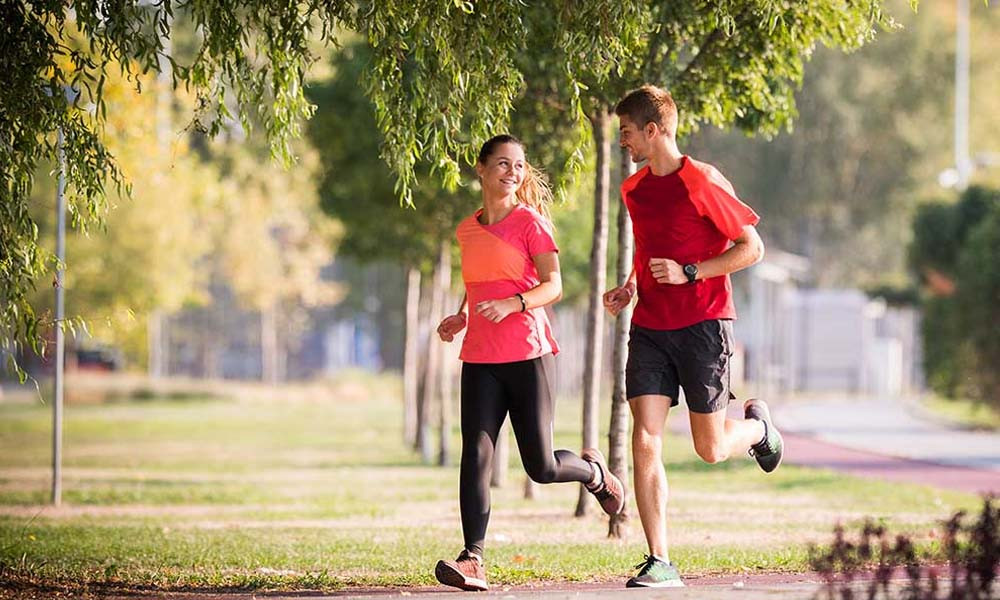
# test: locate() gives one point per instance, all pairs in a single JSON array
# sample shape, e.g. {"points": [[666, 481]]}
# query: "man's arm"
{"points": [[748, 249], [617, 299]]}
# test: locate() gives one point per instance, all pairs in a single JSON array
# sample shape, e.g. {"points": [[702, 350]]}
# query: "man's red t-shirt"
{"points": [[688, 216]]}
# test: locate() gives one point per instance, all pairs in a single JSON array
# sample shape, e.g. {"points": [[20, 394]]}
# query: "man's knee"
{"points": [[646, 443], [711, 453]]}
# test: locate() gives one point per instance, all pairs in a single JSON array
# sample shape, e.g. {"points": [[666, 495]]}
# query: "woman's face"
{"points": [[503, 171]]}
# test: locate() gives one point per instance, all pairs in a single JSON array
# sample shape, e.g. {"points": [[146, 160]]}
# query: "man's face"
{"points": [[634, 139]]}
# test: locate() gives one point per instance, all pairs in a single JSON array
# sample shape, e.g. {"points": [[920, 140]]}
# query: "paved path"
{"points": [[887, 439], [812, 452], [891, 427], [775, 586]]}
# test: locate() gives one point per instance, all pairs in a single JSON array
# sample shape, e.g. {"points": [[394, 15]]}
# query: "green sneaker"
{"points": [[653, 572], [766, 452]]}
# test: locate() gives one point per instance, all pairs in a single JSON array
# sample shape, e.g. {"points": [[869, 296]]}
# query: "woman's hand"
{"points": [[450, 326], [497, 310]]}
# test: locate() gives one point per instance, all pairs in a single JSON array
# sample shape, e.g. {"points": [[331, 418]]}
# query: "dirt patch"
{"points": [[136, 510]]}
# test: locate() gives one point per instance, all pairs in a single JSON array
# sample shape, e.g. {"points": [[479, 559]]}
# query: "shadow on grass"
{"points": [[261, 586]]}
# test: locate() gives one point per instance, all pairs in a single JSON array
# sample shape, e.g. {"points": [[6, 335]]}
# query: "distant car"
{"points": [[98, 358]]}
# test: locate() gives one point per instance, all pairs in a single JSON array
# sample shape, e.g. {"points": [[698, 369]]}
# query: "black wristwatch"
{"points": [[691, 270]]}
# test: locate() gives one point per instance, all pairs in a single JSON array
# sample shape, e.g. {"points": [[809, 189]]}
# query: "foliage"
{"points": [[955, 251], [940, 229], [977, 301], [252, 53], [270, 238], [972, 551], [145, 256], [223, 212], [356, 187], [443, 76]]}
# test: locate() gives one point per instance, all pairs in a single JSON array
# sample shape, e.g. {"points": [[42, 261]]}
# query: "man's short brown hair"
{"points": [[650, 104]]}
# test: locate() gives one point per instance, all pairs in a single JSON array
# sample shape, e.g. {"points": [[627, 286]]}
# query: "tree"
{"points": [[271, 243], [443, 76], [356, 188], [726, 64], [977, 301], [257, 51], [954, 252], [870, 135], [618, 428], [145, 256]]}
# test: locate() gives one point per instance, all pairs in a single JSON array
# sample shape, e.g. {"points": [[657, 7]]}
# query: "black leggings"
{"points": [[489, 392]]}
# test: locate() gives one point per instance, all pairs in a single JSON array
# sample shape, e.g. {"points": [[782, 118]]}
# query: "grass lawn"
{"points": [[966, 413], [313, 488]]}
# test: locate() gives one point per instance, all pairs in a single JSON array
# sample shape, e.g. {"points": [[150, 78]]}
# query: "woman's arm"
{"points": [[548, 291]]}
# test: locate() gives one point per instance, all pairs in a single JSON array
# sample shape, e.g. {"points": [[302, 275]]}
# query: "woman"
{"points": [[511, 272]]}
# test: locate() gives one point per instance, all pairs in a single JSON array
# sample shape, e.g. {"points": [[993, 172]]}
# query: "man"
{"points": [[691, 232]]}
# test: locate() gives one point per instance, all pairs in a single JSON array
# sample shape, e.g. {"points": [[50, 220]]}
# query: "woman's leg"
{"points": [[483, 411], [530, 389]]}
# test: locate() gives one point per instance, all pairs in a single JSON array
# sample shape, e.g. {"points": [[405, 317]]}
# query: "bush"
{"points": [[977, 300], [971, 553], [960, 243]]}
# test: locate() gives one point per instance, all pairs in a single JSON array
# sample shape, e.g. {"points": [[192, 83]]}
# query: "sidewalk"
{"points": [[792, 587], [891, 427], [881, 439]]}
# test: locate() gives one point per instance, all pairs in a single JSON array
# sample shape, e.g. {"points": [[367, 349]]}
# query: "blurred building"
{"points": [[791, 337], [800, 339]]}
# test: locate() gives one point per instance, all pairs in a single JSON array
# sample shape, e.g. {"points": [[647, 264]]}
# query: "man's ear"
{"points": [[651, 129]]}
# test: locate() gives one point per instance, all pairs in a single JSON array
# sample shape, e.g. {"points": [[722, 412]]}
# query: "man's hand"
{"points": [[617, 299], [497, 310], [667, 271], [450, 326]]}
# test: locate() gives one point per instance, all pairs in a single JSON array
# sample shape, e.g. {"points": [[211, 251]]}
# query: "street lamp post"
{"points": [[57, 405], [963, 164], [60, 360]]}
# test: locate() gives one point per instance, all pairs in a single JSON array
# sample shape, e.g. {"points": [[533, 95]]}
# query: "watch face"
{"points": [[690, 269]]}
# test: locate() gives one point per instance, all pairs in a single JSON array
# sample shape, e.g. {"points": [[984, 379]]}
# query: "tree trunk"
{"points": [[432, 370], [600, 122], [411, 349], [422, 431], [443, 285], [154, 340], [501, 457], [159, 346], [269, 344], [421, 441], [158, 342], [432, 382], [618, 430], [530, 487]]}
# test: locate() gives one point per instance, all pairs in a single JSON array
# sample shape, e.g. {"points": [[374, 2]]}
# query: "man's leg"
{"points": [[651, 386], [716, 437], [649, 414], [702, 352]]}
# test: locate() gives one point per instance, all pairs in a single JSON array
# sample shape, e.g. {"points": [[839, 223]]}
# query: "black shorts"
{"points": [[695, 358]]}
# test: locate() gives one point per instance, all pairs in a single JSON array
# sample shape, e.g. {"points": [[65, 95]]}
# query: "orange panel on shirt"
{"points": [[486, 257]]}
